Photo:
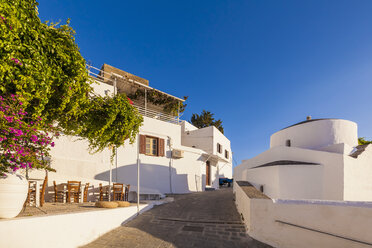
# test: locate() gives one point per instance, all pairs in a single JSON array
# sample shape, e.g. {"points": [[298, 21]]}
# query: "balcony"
{"points": [[156, 114], [118, 81]]}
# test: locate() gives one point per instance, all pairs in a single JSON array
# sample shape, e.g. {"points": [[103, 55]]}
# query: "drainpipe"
{"points": [[178, 113], [145, 102], [170, 164], [116, 149], [138, 175], [110, 180]]}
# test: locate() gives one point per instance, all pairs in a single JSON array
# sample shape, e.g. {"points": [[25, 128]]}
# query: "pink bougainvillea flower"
{"points": [[18, 63]]}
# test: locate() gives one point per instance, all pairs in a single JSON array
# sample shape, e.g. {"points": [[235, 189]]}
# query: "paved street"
{"points": [[205, 219]]}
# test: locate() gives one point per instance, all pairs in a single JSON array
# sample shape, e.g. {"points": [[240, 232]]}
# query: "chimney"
{"points": [[308, 118]]}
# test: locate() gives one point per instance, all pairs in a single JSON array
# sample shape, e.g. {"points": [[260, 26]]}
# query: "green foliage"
{"points": [[362, 141], [41, 63], [110, 121], [206, 119], [170, 104]]}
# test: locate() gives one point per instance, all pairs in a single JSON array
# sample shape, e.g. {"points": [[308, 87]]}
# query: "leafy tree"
{"points": [[206, 119], [41, 64], [362, 141]]}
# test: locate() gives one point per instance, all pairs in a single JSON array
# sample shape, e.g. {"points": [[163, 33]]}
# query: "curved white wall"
{"points": [[317, 133]]}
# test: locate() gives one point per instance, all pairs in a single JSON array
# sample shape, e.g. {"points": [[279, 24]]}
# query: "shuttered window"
{"points": [[152, 146], [161, 148], [142, 146]]}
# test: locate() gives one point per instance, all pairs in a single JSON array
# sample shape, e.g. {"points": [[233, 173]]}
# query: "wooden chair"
{"points": [[85, 199], [59, 194], [103, 193], [31, 196], [118, 191], [126, 193], [42, 191], [73, 190]]}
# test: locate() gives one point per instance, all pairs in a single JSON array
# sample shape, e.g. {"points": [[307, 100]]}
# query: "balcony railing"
{"points": [[155, 114]]}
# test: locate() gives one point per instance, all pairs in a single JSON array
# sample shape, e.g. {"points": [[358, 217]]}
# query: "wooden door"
{"points": [[208, 173]]}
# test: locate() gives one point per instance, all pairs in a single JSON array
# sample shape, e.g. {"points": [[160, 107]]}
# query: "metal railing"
{"points": [[155, 114]]}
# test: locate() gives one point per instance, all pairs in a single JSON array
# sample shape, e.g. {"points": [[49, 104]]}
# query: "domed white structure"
{"points": [[313, 159], [318, 133]]}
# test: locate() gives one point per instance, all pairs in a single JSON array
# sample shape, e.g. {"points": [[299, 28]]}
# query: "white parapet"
{"points": [[64, 230], [305, 223]]}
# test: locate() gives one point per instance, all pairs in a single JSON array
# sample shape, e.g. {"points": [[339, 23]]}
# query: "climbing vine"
{"points": [[110, 121], [170, 105]]}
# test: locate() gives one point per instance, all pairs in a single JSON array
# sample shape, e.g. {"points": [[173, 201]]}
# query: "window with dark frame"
{"points": [[219, 148], [152, 146], [227, 154], [288, 143]]}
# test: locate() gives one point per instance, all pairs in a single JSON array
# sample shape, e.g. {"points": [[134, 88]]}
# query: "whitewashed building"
{"points": [[313, 159], [173, 155]]}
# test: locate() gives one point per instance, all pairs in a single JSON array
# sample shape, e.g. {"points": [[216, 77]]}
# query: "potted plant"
{"points": [[24, 143]]}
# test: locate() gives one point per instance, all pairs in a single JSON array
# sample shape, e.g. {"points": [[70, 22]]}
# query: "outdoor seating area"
{"points": [[74, 192]]}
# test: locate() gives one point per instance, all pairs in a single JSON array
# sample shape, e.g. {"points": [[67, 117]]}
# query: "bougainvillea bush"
{"points": [[23, 143]]}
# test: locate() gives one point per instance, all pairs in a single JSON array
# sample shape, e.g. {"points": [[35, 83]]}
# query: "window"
{"points": [[151, 146], [219, 148], [288, 143], [227, 154]]}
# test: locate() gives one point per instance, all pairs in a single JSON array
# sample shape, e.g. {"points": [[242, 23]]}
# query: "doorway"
{"points": [[208, 174]]}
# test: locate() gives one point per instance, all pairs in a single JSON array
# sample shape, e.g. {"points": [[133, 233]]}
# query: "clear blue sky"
{"points": [[258, 65]]}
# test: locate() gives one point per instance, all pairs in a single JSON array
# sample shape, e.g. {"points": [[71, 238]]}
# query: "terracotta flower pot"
{"points": [[13, 193]]}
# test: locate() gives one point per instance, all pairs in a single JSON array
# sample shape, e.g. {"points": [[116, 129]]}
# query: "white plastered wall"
{"points": [[324, 181], [200, 138], [358, 177]]}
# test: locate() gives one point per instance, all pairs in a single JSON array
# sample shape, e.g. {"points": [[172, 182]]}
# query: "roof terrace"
{"points": [[149, 101]]}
